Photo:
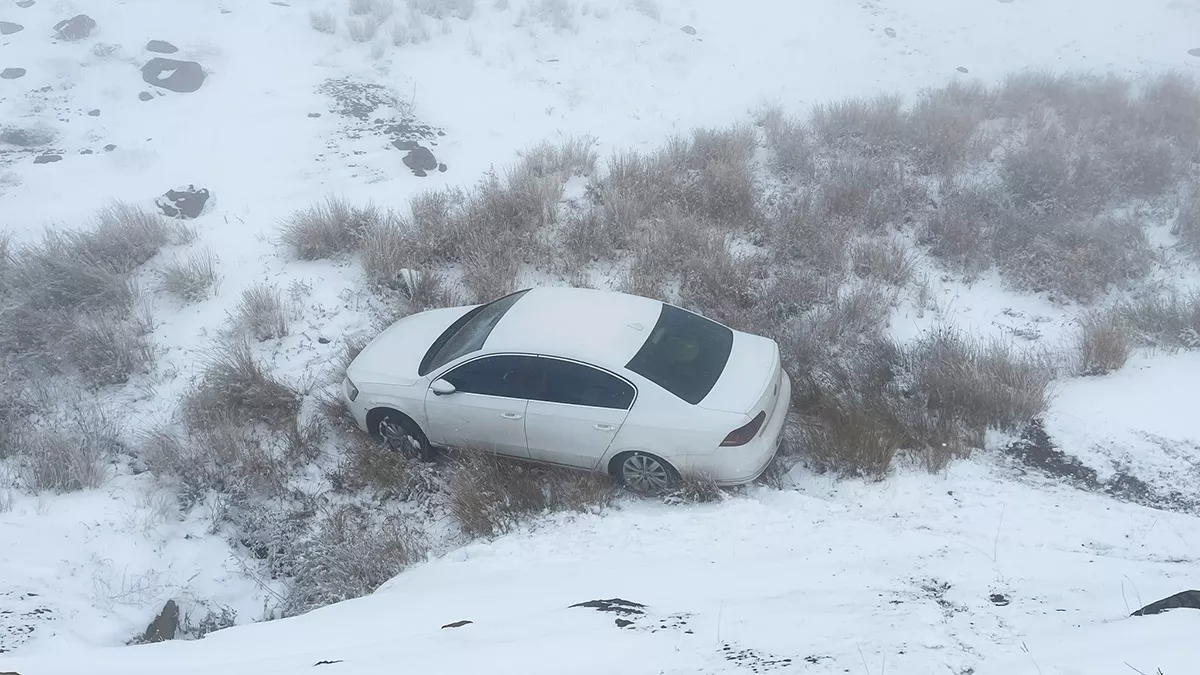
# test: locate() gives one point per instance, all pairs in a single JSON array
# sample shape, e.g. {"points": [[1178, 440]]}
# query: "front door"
{"points": [[577, 413], [487, 409]]}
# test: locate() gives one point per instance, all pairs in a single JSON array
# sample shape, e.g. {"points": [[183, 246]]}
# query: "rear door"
{"points": [[578, 411], [488, 407]]}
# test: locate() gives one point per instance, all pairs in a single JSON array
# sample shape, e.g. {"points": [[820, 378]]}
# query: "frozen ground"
{"points": [[836, 577]]}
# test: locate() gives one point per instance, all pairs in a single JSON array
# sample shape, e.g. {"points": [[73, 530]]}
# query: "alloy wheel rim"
{"points": [[644, 474], [397, 439]]}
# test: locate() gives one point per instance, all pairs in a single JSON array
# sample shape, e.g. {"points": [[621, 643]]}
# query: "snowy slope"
{"points": [[922, 574], [832, 571]]}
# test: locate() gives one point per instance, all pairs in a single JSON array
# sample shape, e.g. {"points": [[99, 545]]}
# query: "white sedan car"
{"points": [[595, 380]]}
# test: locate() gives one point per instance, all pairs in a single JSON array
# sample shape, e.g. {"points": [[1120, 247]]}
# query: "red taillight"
{"points": [[745, 434]]}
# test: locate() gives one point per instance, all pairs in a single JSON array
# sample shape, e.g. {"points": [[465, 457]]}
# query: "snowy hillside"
{"points": [[987, 288]]}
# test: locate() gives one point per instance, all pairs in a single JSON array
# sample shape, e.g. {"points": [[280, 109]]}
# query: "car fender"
{"points": [[409, 400]]}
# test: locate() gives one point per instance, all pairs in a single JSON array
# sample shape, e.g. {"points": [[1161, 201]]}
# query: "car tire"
{"points": [[644, 473], [400, 434]]}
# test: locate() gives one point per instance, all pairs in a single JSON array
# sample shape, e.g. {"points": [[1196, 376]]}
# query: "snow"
{"points": [[843, 572]]}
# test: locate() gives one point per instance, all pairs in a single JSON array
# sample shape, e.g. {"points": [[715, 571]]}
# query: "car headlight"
{"points": [[351, 390]]}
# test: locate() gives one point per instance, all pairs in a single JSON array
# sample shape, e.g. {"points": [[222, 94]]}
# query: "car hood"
{"points": [[753, 362], [394, 356]]}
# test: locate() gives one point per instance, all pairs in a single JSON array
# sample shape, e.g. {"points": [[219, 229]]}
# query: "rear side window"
{"points": [[467, 334], [507, 376], [577, 384], [684, 354]]}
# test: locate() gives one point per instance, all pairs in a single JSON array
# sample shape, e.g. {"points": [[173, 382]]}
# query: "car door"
{"points": [[575, 416], [487, 409]]}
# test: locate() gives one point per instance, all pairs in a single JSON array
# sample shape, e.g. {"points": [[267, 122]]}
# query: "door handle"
{"points": [[511, 416], [604, 427]]}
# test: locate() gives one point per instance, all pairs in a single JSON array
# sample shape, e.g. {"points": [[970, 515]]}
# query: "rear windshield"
{"points": [[685, 354], [467, 334]]}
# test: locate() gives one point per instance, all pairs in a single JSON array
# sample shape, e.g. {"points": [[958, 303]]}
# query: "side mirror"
{"points": [[442, 387]]}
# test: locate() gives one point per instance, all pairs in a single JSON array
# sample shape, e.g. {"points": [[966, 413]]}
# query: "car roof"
{"points": [[604, 328]]}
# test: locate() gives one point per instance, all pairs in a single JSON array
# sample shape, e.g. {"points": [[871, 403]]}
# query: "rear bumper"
{"points": [[737, 466]]}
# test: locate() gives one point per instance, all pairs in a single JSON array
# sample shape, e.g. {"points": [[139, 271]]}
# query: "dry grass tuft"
{"points": [[1105, 342]]}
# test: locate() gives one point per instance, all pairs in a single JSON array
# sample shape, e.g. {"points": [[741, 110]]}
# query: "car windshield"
{"points": [[685, 354], [468, 333]]}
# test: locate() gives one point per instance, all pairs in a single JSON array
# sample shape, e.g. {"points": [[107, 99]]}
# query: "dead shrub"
{"points": [[368, 464], [261, 313], [1105, 342], [235, 386], [868, 194], [1168, 320], [70, 452], [721, 284], [329, 229], [1187, 222], [960, 231], [798, 233], [351, 554], [125, 237], [323, 21], [491, 266], [192, 278], [386, 250], [107, 349], [790, 144], [573, 156], [491, 495], [850, 434], [695, 490], [1169, 107], [440, 9], [222, 455], [1055, 174], [871, 127], [885, 260], [944, 123], [1077, 259]]}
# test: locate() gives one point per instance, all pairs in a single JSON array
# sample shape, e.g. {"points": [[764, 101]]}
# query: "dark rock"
{"points": [[178, 76], [326, 663], [85, 151], [161, 47], [998, 599], [77, 27], [890, 32], [442, 168], [689, 30], [962, 69], [323, 340], [185, 203], [94, 113], [26, 138], [1194, 52], [314, 115], [280, 4], [615, 606], [458, 624], [110, 147], [164, 626], [25, 4], [1182, 600], [145, 96], [622, 623], [47, 159], [420, 159], [8, 28], [12, 73]]}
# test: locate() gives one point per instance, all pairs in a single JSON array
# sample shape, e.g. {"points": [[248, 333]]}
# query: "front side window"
{"points": [[577, 384], [684, 354], [467, 334], [505, 375]]}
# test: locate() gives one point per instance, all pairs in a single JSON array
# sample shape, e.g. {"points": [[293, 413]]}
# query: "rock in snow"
{"points": [[77, 27], [8, 28], [421, 160], [161, 47], [185, 203], [178, 76], [12, 73], [164, 625], [1181, 600]]}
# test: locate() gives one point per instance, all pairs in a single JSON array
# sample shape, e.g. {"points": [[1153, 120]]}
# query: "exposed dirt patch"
{"points": [[369, 110]]}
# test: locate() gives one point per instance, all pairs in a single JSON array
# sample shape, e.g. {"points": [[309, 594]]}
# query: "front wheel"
{"points": [[402, 435], [644, 473]]}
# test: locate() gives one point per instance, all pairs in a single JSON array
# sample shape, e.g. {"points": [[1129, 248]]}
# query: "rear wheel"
{"points": [[400, 434], [644, 473]]}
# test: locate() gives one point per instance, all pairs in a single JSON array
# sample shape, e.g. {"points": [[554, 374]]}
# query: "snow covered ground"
{"points": [[981, 570]]}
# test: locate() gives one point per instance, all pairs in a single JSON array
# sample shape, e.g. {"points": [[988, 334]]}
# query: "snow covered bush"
{"points": [[1167, 320], [886, 260], [1187, 222], [236, 386], [329, 229], [191, 278], [491, 495], [871, 127], [573, 156], [261, 313], [352, 553], [789, 143], [323, 21], [70, 451], [440, 9], [1105, 342]]}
